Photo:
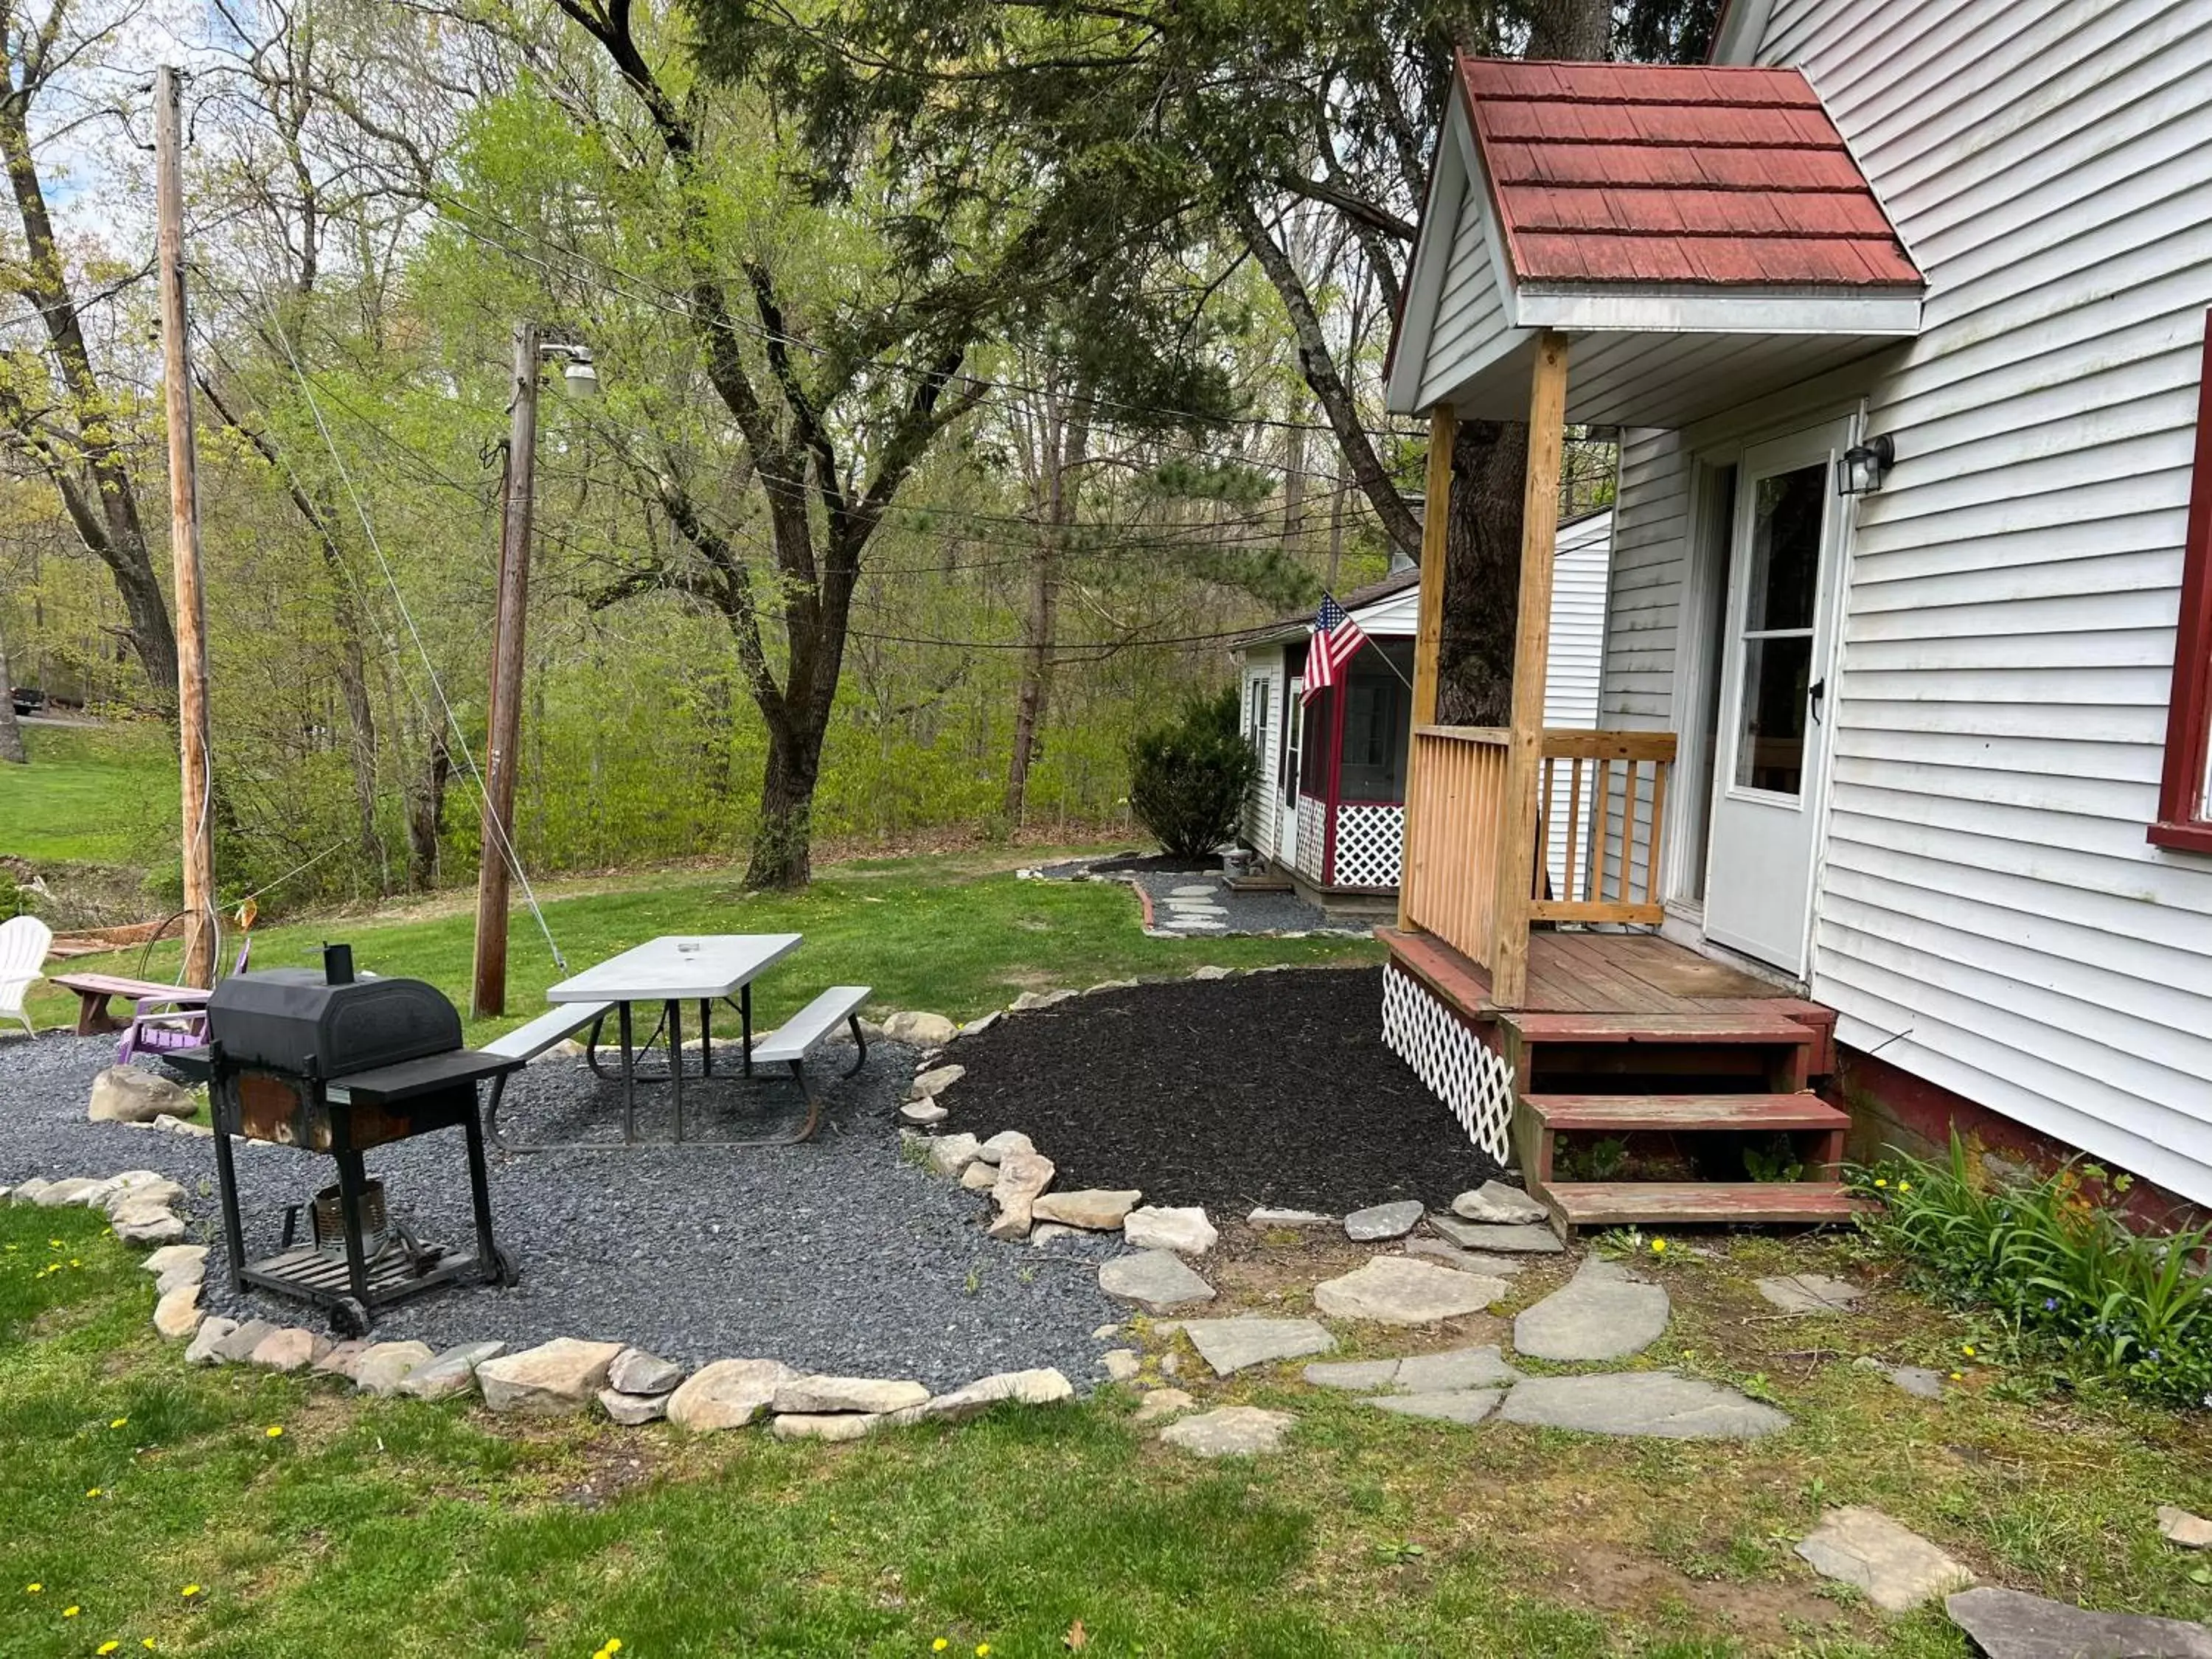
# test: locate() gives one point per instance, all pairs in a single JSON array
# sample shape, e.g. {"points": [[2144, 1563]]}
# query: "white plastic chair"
{"points": [[23, 942]]}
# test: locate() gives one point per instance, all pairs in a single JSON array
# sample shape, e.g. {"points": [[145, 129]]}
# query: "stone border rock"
{"points": [[559, 1378]]}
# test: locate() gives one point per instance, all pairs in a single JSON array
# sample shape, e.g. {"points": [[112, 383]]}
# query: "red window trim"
{"points": [[2181, 824]]}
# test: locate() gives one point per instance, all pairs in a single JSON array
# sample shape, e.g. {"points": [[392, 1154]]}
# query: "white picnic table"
{"points": [[673, 971]]}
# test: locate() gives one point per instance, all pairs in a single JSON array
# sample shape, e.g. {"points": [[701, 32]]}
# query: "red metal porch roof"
{"points": [[1660, 174]]}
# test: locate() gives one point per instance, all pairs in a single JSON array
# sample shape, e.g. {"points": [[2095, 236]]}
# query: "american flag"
{"points": [[1336, 640]]}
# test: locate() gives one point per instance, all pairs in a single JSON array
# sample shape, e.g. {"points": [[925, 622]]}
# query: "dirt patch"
{"points": [[1612, 1580], [1270, 1088]]}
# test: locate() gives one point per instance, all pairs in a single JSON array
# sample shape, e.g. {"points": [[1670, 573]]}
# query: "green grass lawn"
{"points": [[91, 794], [401, 1528], [945, 933]]}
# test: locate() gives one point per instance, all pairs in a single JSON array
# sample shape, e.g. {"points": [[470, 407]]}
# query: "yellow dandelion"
{"points": [[614, 1645], [107, 1647], [1879, 1182], [71, 1613], [32, 1589], [93, 1491], [939, 1645], [1904, 1186], [1968, 1349], [1658, 1247], [119, 1422], [1958, 1377], [274, 1431], [189, 1591], [981, 1649], [53, 1243], [147, 1642]]}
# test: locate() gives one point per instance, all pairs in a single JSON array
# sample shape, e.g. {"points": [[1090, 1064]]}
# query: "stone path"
{"points": [[1895, 1566], [1655, 1405], [1426, 1373], [1206, 905], [1231, 1431], [1154, 1279], [1604, 1312], [1381, 1221], [1810, 1293], [1233, 1345], [1464, 1406], [1397, 1290], [2013, 1625], [1528, 1239]]}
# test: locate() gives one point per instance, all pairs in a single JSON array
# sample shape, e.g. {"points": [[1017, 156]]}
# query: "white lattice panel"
{"points": [[1370, 839], [1312, 838], [1461, 1070]]}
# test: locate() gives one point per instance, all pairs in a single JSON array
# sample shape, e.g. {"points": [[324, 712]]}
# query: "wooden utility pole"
{"points": [[198, 845], [504, 720]]}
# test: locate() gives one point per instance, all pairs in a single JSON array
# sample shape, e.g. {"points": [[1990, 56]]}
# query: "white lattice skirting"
{"points": [[1312, 842], [1370, 842], [1459, 1069]]}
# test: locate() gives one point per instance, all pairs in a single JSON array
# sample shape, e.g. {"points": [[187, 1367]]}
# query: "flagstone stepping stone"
{"points": [[1453, 1405], [1233, 1345], [1397, 1290], [1658, 1405], [1896, 1567], [1494, 1202], [1230, 1432], [1468, 1261], [1161, 1402], [2013, 1624], [1458, 1368], [1201, 890], [2179, 1526], [1194, 924], [1381, 1221], [1184, 1230], [1604, 1312], [1917, 1380], [1354, 1374], [1526, 1239], [1154, 1279], [1810, 1293]]}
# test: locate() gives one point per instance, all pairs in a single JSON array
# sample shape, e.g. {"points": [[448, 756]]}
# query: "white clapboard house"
{"points": [[1903, 311], [1329, 809]]}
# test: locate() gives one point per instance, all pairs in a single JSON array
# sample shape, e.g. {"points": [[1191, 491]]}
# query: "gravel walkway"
{"points": [[1206, 907], [837, 1255]]}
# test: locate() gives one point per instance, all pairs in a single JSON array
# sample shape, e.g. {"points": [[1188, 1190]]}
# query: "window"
{"points": [[1320, 719], [2184, 807]]}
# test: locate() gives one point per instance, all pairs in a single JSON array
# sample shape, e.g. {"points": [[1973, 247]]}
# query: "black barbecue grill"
{"points": [[329, 1064]]}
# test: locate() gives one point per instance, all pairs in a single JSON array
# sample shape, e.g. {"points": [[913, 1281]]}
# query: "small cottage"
{"points": [[1908, 642], [1329, 809]]}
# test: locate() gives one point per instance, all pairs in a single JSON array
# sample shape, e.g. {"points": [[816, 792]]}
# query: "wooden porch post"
{"points": [[1532, 648], [1429, 630]]}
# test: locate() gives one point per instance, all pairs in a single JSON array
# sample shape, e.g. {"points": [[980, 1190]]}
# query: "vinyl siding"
{"points": [[1470, 309], [1988, 908], [1263, 683]]}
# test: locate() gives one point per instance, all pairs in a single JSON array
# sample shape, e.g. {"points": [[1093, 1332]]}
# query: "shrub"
{"points": [[1189, 778], [2062, 1268]]}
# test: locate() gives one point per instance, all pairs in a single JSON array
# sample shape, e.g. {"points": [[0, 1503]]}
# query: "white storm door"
{"points": [[1774, 709], [1286, 821]]}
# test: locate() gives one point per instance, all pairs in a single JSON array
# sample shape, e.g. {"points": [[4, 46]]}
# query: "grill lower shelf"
{"points": [[306, 1272]]}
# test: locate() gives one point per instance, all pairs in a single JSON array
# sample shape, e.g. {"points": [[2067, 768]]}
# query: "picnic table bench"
{"points": [[94, 990]]}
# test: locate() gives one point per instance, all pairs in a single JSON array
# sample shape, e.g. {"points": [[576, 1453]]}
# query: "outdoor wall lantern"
{"points": [[1859, 469]]}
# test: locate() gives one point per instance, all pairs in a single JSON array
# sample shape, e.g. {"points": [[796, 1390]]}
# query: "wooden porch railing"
{"points": [[1605, 802], [1603, 799]]}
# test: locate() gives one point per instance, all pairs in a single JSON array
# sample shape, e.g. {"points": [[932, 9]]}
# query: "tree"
{"points": [[11, 735], [58, 412]]}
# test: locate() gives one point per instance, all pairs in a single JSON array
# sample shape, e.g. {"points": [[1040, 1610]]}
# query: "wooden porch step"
{"points": [[1615, 1203], [1664, 1114], [1682, 1028]]}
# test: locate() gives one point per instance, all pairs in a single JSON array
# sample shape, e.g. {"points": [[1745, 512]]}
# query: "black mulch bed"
{"points": [[1270, 1088]]}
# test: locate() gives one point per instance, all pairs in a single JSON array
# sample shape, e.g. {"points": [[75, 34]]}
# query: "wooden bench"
{"points": [[791, 1042], [94, 990]]}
